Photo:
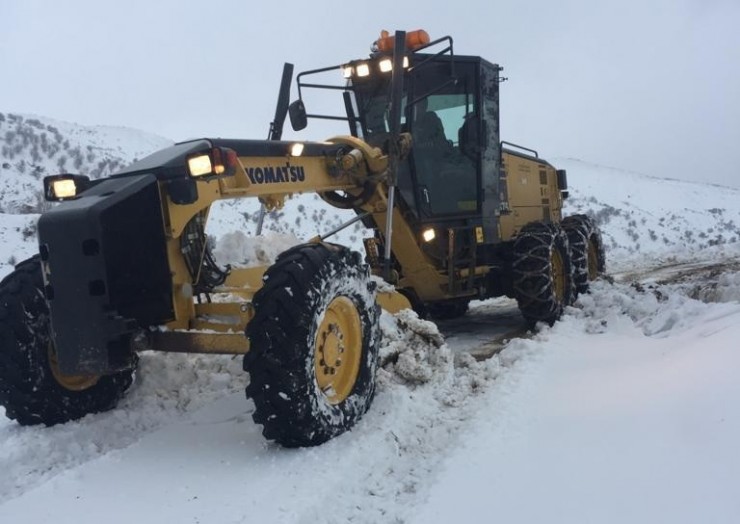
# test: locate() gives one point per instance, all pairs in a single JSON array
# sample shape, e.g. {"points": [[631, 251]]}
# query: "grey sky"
{"points": [[651, 86]]}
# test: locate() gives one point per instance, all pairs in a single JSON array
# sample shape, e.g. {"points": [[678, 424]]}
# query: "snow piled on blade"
{"points": [[413, 349], [414, 354]]}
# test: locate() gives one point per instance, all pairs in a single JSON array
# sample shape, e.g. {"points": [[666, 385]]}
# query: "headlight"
{"points": [[200, 165], [64, 187], [218, 162]]}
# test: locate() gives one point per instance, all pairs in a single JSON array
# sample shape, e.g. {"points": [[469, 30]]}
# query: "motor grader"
{"points": [[124, 262]]}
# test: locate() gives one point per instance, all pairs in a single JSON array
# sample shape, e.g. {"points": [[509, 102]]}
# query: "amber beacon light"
{"points": [[414, 40]]}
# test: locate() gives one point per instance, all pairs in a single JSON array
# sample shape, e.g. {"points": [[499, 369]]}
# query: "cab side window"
{"points": [[443, 128]]}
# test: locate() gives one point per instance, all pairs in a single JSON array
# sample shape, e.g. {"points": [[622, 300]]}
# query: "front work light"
{"points": [[428, 235], [296, 149], [64, 187], [363, 69], [386, 65], [200, 165], [218, 162]]}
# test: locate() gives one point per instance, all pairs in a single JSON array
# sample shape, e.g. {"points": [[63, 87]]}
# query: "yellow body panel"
{"points": [[533, 193], [419, 272], [392, 301], [219, 327]]}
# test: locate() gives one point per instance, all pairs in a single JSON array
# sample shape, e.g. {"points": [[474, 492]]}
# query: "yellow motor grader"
{"points": [[456, 215]]}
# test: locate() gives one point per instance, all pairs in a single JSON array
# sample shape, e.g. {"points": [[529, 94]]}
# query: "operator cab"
{"points": [[442, 178], [449, 104]]}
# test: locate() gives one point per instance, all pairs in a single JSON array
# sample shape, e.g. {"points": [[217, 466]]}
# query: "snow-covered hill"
{"points": [[652, 218], [32, 147], [641, 216], [624, 411]]}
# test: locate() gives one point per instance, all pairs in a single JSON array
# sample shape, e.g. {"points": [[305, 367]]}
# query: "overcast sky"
{"points": [[651, 86]]}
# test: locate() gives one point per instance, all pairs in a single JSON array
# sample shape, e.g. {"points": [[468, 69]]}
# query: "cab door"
{"points": [[443, 118]]}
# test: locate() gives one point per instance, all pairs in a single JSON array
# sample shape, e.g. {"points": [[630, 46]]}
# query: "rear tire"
{"points": [[587, 250], [313, 345], [32, 389], [542, 272]]}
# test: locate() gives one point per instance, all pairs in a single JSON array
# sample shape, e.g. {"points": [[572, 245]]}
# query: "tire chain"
{"points": [[532, 271]]}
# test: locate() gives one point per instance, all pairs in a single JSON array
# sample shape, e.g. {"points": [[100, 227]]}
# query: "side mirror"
{"points": [[297, 113], [562, 180]]}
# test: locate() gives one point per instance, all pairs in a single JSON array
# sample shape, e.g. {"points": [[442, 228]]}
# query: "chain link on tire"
{"points": [[586, 248], [32, 389], [542, 272], [313, 345]]}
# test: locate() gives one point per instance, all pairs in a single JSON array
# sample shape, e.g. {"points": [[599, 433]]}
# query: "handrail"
{"points": [[520, 147]]}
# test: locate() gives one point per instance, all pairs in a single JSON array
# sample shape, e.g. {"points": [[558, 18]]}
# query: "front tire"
{"points": [[32, 389], [542, 272], [313, 345]]}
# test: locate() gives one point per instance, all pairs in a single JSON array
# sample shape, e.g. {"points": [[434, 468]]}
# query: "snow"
{"points": [[623, 411], [612, 426], [240, 250], [647, 220]]}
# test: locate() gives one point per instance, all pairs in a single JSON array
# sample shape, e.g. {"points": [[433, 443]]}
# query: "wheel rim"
{"points": [[558, 274], [593, 261], [70, 382], [338, 350]]}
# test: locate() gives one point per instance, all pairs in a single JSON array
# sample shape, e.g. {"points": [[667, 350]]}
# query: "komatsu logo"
{"points": [[275, 175]]}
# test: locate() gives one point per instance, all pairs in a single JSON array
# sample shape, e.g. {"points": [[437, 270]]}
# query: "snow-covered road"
{"points": [[609, 426], [625, 411]]}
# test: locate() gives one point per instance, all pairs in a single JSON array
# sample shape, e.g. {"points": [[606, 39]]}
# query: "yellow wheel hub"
{"points": [[593, 262], [70, 382], [558, 274], [338, 350]]}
